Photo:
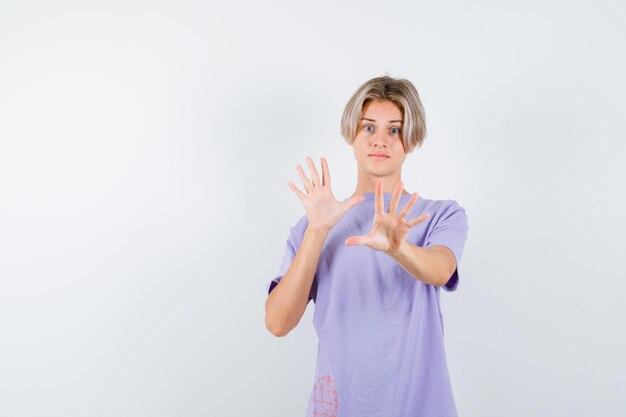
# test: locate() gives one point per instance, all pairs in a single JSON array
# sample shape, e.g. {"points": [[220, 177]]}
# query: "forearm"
{"points": [[287, 302], [424, 264]]}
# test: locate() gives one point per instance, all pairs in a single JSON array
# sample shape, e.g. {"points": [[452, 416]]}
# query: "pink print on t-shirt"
{"points": [[325, 397]]}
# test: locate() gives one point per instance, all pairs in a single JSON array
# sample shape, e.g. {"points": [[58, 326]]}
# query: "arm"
{"points": [[434, 265], [287, 302]]}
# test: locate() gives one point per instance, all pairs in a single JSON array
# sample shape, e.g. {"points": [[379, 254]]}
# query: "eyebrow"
{"points": [[372, 120]]}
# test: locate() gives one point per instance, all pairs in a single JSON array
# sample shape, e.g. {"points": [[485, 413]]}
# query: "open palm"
{"points": [[389, 229], [323, 210]]}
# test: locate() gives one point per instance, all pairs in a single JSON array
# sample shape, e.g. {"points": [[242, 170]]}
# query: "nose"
{"points": [[381, 140]]}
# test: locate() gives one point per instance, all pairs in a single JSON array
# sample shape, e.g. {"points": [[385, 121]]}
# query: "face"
{"points": [[380, 131]]}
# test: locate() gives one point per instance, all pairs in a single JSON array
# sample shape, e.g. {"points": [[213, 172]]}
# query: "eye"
{"points": [[366, 126], [395, 130]]}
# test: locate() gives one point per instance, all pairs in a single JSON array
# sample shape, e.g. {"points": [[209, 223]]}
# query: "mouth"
{"points": [[379, 156]]}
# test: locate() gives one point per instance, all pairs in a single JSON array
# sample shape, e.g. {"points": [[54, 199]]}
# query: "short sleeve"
{"points": [[288, 256], [450, 230]]}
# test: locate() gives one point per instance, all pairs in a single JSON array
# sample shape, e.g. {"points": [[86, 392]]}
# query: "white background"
{"points": [[145, 150]]}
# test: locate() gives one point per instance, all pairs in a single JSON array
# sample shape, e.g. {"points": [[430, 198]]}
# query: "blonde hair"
{"points": [[399, 91]]}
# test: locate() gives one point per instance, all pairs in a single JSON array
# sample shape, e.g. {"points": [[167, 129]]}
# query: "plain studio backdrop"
{"points": [[145, 151]]}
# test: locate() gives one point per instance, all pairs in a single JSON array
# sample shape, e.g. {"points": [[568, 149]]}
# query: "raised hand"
{"points": [[323, 210], [389, 229]]}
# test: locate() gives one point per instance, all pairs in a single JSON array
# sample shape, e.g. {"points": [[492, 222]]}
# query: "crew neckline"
{"points": [[386, 196]]}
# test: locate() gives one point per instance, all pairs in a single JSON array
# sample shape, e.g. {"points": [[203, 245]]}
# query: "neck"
{"points": [[368, 185]]}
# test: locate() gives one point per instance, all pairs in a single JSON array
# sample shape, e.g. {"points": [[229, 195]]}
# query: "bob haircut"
{"points": [[399, 91]]}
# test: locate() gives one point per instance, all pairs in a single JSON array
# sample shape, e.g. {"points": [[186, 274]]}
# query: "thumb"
{"points": [[353, 201], [355, 240]]}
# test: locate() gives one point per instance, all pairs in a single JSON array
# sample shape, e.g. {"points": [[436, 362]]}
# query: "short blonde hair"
{"points": [[399, 91]]}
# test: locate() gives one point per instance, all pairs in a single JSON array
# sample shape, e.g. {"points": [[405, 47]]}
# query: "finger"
{"points": [[314, 175], [418, 220], [409, 205], [353, 201], [325, 172], [305, 180], [356, 240], [298, 193], [379, 198], [395, 198]]}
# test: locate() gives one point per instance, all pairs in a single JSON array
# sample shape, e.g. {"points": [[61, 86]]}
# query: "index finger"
{"points": [[379, 198], [314, 174], [325, 172]]}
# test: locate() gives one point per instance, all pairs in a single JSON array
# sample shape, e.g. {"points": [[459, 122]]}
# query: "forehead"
{"points": [[384, 110]]}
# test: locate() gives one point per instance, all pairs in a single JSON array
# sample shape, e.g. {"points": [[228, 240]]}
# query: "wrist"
{"points": [[398, 250], [322, 231]]}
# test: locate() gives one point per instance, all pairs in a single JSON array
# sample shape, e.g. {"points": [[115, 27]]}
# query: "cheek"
{"points": [[358, 147], [401, 147]]}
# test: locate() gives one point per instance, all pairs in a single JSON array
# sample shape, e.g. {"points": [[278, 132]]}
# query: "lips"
{"points": [[379, 155]]}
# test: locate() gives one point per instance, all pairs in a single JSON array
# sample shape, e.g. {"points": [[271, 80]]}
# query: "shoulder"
{"points": [[296, 232], [445, 212], [445, 205]]}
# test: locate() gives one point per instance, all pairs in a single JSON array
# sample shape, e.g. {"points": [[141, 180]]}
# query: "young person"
{"points": [[373, 264]]}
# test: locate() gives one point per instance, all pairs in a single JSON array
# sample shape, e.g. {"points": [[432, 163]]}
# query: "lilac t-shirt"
{"points": [[380, 330]]}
